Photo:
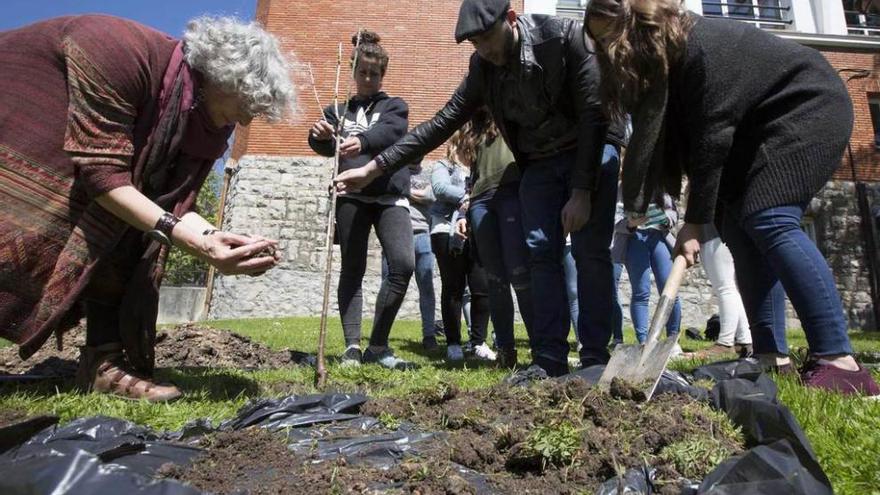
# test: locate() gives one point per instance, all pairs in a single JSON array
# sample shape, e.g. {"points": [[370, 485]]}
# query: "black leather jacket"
{"points": [[544, 102]]}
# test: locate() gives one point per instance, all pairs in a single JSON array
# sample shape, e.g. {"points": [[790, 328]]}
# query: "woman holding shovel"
{"points": [[759, 142], [372, 122]]}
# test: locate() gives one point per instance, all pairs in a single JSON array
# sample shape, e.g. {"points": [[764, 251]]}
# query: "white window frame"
{"points": [[783, 24], [862, 28]]}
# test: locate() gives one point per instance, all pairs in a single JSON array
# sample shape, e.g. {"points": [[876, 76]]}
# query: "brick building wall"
{"points": [[865, 155], [425, 66]]}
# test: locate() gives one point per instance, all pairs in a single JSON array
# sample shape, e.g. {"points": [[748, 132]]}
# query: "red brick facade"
{"points": [[426, 65], [865, 156]]}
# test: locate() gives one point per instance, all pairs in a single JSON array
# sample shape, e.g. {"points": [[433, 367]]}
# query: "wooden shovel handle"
{"points": [[673, 282], [667, 299]]}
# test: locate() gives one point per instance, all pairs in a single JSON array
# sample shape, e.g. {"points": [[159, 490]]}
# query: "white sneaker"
{"points": [[454, 353], [483, 352], [677, 352]]}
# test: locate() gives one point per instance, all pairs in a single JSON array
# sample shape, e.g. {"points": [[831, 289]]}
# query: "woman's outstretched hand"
{"points": [[352, 181], [236, 254]]}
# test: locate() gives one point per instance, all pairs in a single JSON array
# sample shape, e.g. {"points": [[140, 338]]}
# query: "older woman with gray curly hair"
{"points": [[107, 131]]}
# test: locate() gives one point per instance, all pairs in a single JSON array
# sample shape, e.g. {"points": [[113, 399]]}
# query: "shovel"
{"points": [[641, 365]]}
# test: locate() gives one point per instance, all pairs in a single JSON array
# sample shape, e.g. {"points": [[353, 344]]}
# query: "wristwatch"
{"points": [[161, 233]]}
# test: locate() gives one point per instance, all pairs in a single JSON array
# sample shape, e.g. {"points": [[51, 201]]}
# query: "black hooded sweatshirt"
{"points": [[378, 122]]}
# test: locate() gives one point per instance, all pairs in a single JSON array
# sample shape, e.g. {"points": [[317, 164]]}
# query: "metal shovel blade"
{"points": [[640, 365]]}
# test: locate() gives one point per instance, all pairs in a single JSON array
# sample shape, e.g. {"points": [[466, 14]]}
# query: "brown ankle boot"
{"points": [[104, 369]]}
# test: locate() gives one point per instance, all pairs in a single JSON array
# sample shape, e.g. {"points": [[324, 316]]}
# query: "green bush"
{"points": [[181, 268]]}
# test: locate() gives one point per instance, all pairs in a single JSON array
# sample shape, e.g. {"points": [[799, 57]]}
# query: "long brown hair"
{"points": [[647, 37], [481, 129], [370, 48]]}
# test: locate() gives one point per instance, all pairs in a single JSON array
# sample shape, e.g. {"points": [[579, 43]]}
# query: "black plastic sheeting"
{"points": [[93, 455], [107, 455]]}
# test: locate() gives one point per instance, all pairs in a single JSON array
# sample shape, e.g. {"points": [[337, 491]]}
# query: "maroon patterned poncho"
{"points": [[89, 104]]}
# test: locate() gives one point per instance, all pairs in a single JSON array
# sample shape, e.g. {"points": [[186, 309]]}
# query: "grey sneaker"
{"points": [[387, 359], [351, 357], [454, 353]]}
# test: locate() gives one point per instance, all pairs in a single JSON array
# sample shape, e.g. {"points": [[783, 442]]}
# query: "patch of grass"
{"points": [[556, 444], [389, 421], [696, 455], [202, 401], [845, 432]]}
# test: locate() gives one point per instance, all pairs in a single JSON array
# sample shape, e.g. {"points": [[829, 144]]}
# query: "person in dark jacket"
{"points": [[538, 77], [372, 121], [758, 143]]}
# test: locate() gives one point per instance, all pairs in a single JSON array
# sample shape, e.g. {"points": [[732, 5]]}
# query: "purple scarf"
{"points": [[181, 150]]}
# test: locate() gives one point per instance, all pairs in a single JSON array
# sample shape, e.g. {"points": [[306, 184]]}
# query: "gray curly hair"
{"points": [[242, 58]]}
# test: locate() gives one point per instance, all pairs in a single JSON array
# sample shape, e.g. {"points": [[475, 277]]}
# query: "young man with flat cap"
{"points": [[538, 76]]}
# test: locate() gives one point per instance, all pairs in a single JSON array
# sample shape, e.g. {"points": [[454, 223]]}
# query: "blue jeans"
{"points": [[544, 189], [496, 226], [424, 275], [774, 257], [646, 252]]}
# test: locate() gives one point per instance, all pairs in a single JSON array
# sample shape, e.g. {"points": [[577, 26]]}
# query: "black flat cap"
{"points": [[478, 16]]}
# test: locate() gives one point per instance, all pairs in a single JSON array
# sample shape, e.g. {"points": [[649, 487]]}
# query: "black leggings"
{"points": [[354, 219], [456, 270]]}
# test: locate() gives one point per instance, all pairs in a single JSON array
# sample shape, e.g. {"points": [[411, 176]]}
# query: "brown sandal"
{"points": [[104, 369]]}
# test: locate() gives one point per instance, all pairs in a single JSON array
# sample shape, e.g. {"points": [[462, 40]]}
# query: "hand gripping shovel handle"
{"points": [[667, 299]]}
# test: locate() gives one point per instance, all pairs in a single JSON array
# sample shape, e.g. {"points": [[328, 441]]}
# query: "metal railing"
{"points": [[570, 11], [762, 15], [863, 24]]}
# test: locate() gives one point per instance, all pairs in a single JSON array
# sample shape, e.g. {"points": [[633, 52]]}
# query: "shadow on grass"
{"points": [[207, 383], [211, 383]]}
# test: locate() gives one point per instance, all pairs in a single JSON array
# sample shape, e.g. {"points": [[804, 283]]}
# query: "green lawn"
{"points": [[845, 432]]}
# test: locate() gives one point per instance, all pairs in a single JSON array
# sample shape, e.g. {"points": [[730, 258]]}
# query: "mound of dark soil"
{"points": [[185, 346], [550, 438]]}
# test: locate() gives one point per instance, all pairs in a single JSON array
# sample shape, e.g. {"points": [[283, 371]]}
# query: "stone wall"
{"points": [[837, 225], [181, 304], [284, 198]]}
